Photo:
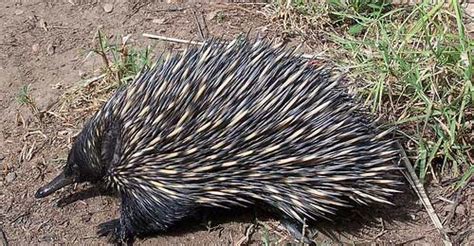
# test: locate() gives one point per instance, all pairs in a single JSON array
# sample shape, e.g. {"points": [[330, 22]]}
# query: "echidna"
{"points": [[229, 125]]}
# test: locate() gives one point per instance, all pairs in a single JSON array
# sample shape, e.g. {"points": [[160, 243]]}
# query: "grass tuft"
{"points": [[24, 98], [121, 63], [410, 64]]}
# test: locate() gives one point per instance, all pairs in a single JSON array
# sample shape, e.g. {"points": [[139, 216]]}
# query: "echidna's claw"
{"points": [[115, 233]]}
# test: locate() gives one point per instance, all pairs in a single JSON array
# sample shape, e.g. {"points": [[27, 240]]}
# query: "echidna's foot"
{"points": [[202, 217], [295, 229], [115, 232]]}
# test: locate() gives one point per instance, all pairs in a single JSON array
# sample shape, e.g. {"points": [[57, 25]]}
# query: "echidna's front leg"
{"points": [[116, 231], [141, 215], [119, 230]]}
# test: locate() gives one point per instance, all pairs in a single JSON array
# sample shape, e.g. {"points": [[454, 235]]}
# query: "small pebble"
{"points": [[159, 21], [212, 15], [47, 238], [57, 86], [82, 74], [35, 47], [461, 210], [50, 49], [10, 177], [42, 24], [108, 7], [18, 12]]}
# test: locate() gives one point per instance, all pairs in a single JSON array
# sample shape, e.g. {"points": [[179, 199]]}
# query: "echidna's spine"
{"points": [[226, 125]]}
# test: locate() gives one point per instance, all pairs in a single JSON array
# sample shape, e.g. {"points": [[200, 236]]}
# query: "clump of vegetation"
{"points": [[121, 63], [410, 64], [24, 98]]}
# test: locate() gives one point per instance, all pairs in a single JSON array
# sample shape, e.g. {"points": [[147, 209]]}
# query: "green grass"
{"points": [[121, 62], [412, 65], [24, 98]]}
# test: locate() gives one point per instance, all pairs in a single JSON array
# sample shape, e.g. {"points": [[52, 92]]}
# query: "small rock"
{"points": [[413, 217], [86, 218], [108, 7], [159, 21], [50, 49], [35, 47], [18, 12], [57, 86], [10, 177], [125, 39], [42, 24], [47, 238], [82, 74], [448, 207], [212, 15], [460, 209]]}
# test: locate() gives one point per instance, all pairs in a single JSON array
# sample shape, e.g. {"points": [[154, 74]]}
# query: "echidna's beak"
{"points": [[57, 183]]}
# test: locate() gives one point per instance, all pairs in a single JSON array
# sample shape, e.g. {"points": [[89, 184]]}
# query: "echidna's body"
{"points": [[230, 125]]}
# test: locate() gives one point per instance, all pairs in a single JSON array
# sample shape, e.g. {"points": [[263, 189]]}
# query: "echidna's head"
{"points": [[83, 164]]}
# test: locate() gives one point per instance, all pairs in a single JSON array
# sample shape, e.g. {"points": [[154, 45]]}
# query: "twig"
{"points": [[92, 80], [445, 200], [453, 208], [27, 213], [135, 10], [171, 9], [175, 40], [244, 9], [3, 238], [410, 240], [39, 132], [183, 41], [102, 52], [303, 230], [248, 233], [249, 3], [20, 119], [381, 232], [21, 157], [29, 154], [198, 25], [205, 25], [420, 191]]}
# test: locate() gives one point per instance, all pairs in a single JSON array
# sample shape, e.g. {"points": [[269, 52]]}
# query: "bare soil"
{"points": [[46, 44]]}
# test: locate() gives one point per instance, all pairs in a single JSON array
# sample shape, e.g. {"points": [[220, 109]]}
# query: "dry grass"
{"points": [[121, 63], [412, 65]]}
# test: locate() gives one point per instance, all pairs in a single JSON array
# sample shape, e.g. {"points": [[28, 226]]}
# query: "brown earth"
{"points": [[46, 44]]}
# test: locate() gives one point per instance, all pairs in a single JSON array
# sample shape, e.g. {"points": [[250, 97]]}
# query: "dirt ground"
{"points": [[46, 44]]}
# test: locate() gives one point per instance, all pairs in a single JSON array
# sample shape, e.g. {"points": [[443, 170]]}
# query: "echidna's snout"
{"points": [[57, 183]]}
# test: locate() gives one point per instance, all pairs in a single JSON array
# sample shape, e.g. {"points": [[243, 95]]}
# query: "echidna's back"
{"points": [[230, 124]]}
